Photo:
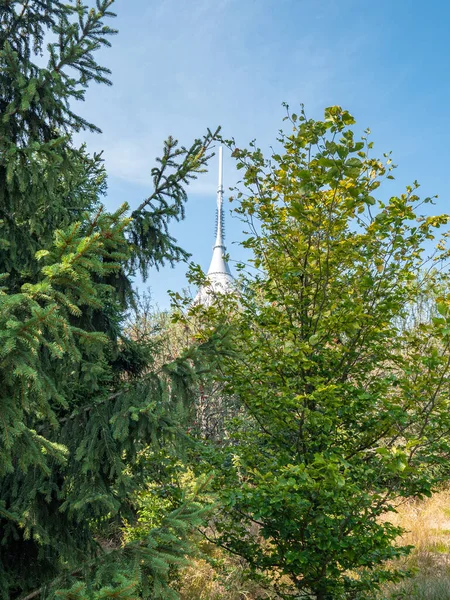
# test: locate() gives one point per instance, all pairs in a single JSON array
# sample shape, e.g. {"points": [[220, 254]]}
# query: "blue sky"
{"points": [[180, 66]]}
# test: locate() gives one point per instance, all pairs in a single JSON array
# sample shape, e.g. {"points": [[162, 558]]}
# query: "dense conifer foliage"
{"points": [[343, 385], [79, 400]]}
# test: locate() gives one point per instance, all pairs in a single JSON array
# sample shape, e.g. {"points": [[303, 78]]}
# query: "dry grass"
{"points": [[427, 524], [220, 577]]}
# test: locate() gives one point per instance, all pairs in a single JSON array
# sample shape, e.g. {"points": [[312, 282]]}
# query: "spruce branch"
{"points": [[149, 236], [194, 161], [161, 542]]}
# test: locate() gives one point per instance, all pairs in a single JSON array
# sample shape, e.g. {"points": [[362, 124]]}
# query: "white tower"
{"points": [[219, 277]]}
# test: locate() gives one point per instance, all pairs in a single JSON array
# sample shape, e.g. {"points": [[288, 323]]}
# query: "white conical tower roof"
{"points": [[219, 277]]}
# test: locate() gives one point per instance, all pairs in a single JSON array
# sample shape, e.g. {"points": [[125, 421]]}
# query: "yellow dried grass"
{"points": [[427, 528]]}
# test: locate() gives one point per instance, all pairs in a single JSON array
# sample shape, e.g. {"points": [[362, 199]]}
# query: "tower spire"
{"points": [[218, 263], [219, 277], [220, 223]]}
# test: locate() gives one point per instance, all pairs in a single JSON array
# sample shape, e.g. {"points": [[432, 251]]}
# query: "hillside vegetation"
{"points": [[289, 440]]}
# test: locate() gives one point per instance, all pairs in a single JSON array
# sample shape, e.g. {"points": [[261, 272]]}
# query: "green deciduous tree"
{"points": [[346, 399], [79, 399]]}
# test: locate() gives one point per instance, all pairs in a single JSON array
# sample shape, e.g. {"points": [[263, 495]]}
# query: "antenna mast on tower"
{"points": [[219, 277]]}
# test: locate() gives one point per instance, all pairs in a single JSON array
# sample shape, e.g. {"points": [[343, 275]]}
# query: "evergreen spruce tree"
{"points": [[79, 400]]}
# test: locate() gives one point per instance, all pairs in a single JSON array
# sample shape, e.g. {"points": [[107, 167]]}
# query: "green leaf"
{"points": [[442, 308]]}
